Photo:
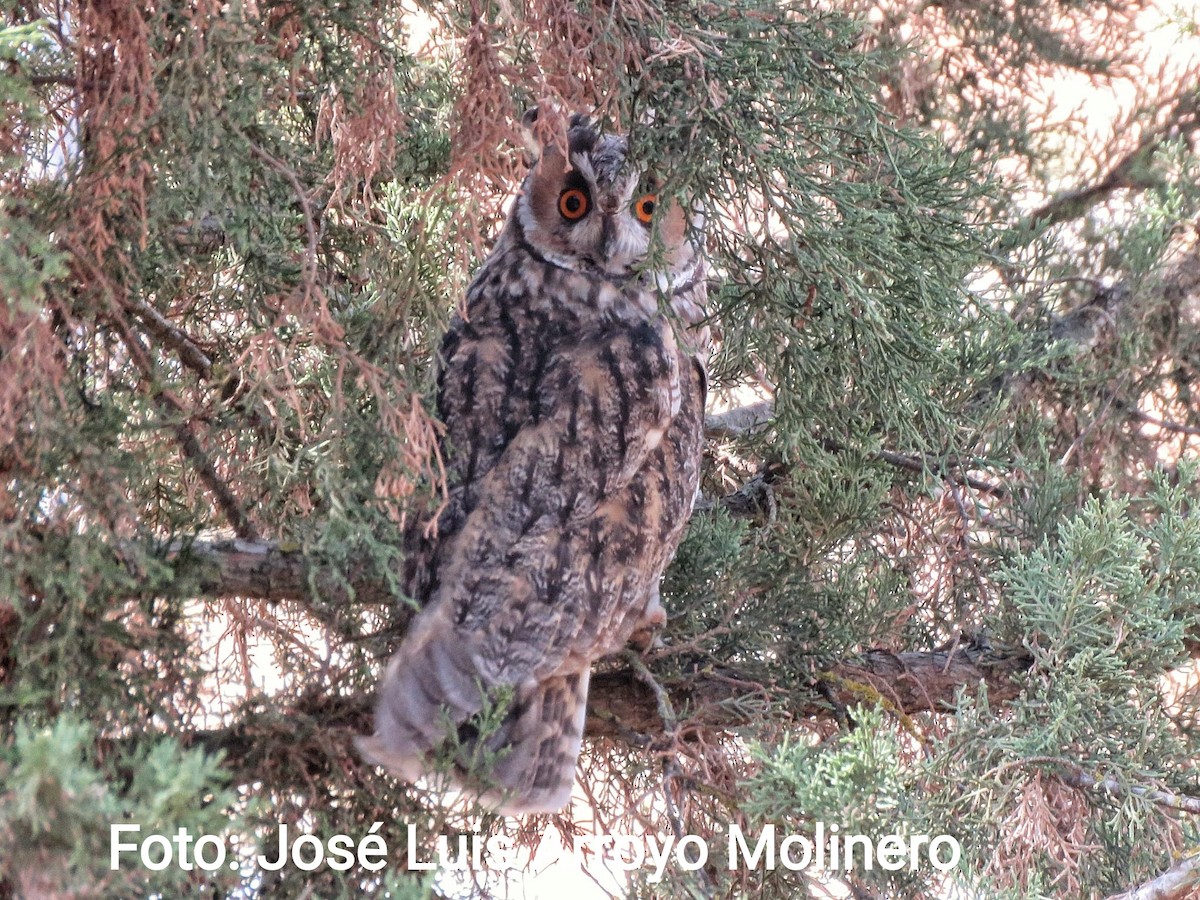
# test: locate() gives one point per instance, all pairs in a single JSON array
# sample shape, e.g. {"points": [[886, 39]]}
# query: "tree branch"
{"points": [[189, 443], [1164, 424], [1169, 799], [908, 682], [1177, 883], [620, 701], [922, 463], [754, 417], [739, 421], [266, 570], [1127, 172], [222, 493], [171, 335]]}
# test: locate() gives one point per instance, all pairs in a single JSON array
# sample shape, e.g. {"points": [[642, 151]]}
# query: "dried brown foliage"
{"points": [[230, 345], [1049, 821], [363, 127], [118, 97]]}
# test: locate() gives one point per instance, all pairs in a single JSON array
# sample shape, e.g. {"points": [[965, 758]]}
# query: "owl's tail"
{"points": [[430, 688], [524, 765], [537, 744]]}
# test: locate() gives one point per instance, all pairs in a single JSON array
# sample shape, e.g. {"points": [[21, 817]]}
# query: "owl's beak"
{"points": [[608, 232]]}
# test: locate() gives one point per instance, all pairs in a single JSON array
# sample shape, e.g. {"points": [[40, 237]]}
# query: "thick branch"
{"points": [[1177, 883], [263, 570], [621, 704], [908, 683]]}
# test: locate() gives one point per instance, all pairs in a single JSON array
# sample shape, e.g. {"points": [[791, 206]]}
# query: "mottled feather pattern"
{"points": [[573, 436]]}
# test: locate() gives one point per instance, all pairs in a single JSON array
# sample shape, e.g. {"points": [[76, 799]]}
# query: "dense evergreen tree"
{"points": [[944, 577]]}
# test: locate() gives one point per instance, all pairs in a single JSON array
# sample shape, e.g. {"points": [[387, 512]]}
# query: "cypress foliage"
{"points": [[944, 575]]}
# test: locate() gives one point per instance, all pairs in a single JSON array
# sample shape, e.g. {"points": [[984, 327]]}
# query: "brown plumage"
{"points": [[574, 418]]}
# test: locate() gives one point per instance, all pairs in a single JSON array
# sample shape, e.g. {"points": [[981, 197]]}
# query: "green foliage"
{"points": [[833, 290], [1104, 607], [857, 781], [59, 801], [229, 241]]}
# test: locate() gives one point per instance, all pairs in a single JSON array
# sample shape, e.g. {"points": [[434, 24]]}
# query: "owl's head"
{"points": [[594, 212]]}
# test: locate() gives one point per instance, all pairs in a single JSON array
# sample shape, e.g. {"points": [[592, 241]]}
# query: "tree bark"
{"points": [[267, 570], [1177, 883], [623, 708], [908, 682]]}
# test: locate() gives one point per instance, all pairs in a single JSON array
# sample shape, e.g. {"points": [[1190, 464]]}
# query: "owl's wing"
{"points": [[604, 407], [506, 377], [519, 595]]}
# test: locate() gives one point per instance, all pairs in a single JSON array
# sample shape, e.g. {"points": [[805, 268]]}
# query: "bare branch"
{"points": [[184, 434], [53, 80], [1177, 883], [1164, 424], [1169, 799], [924, 463], [190, 444], [740, 421], [310, 228], [622, 704], [171, 335], [744, 420], [1127, 172]]}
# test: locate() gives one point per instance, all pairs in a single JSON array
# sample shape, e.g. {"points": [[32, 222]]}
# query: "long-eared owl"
{"points": [[572, 390]]}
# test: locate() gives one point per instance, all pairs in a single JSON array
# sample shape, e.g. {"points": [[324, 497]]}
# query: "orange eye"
{"points": [[644, 208], [573, 204]]}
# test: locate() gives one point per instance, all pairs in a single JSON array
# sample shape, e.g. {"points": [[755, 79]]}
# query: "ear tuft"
{"points": [[544, 130], [581, 133], [532, 144]]}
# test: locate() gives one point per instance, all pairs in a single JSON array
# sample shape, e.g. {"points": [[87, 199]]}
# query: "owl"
{"points": [[572, 391]]}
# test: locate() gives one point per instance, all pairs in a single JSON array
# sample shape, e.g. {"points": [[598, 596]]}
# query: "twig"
{"points": [[310, 230], [753, 417], [1169, 799], [172, 335], [1165, 424], [1124, 174], [922, 464], [188, 442], [671, 732], [665, 711], [670, 763], [1091, 426], [1071, 773], [53, 80]]}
